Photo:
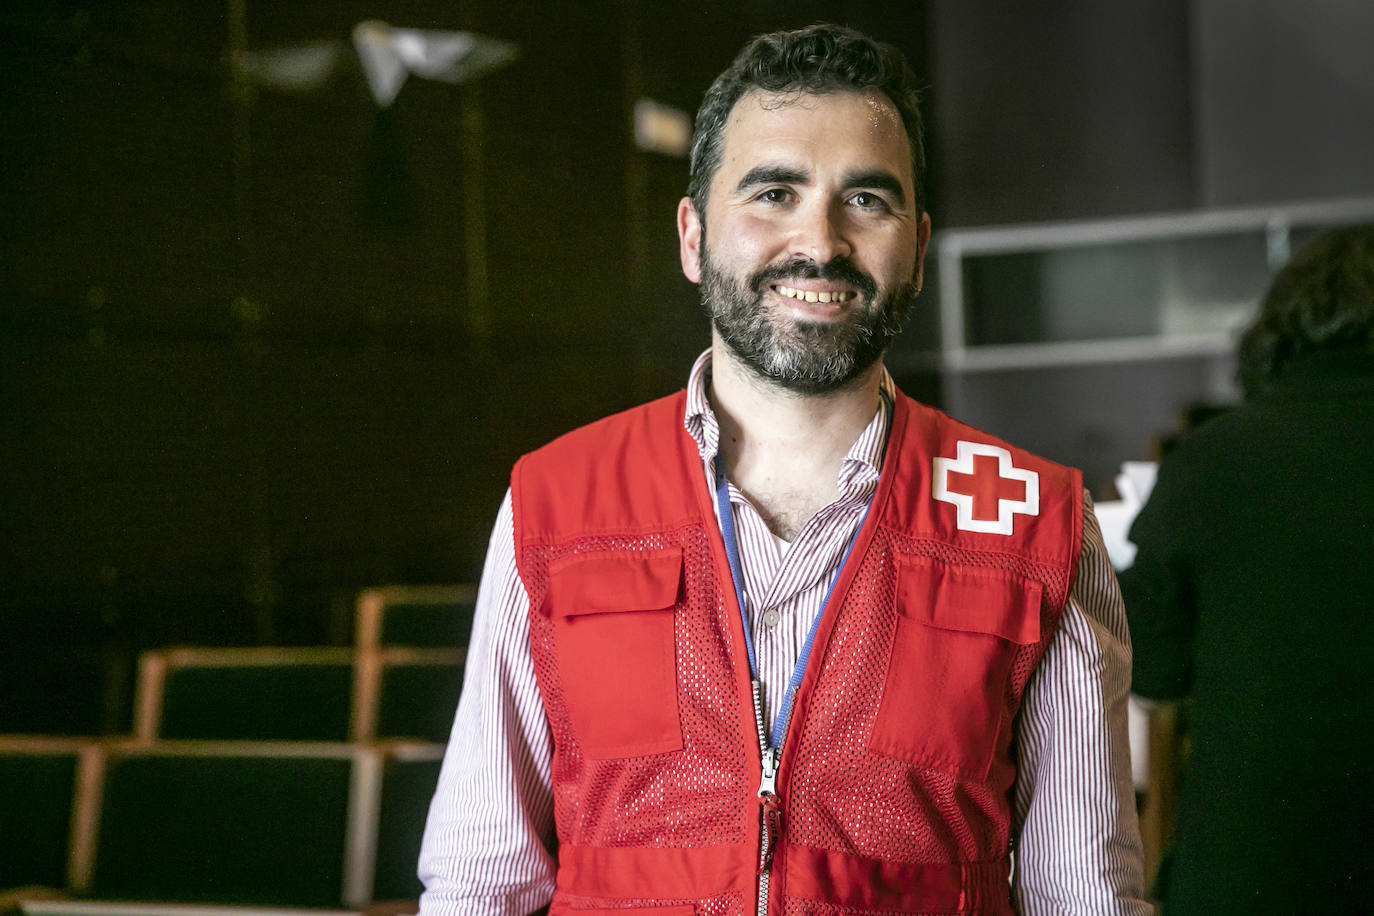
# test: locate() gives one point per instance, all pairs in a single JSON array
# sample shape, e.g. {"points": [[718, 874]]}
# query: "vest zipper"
{"points": [[770, 808]]}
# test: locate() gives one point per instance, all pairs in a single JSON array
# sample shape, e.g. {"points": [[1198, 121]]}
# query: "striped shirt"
{"points": [[489, 841]]}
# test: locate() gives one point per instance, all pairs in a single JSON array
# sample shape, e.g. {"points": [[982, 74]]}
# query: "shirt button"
{"points": [[771, 618]]}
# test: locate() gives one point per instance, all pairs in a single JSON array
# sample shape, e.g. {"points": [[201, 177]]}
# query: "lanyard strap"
{"points": [[727, 531]]}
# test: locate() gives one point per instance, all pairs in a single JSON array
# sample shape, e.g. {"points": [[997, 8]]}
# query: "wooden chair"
{"points": [[408, 779], [419, 616], [410, 643], [253, 823], [43, 785], [268, 694], [406, 694], [58, 906]]}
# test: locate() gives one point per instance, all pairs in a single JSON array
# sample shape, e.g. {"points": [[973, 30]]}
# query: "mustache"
{"points": [[838, 270]]}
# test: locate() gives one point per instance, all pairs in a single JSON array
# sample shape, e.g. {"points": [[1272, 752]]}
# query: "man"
{"points": [[787, 640]]}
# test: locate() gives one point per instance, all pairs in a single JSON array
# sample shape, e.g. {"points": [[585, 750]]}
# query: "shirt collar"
{"points": [[861, 465]]}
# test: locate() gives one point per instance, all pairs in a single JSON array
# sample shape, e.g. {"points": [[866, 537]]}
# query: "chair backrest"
{"points": [[406, 694], [408, 779], [257, 823], [411, 642], [41, 782], [421, 616], [268, 694]]}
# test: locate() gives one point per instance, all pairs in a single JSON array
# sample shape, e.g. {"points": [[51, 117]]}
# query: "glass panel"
{"points": [[1133, 288]]}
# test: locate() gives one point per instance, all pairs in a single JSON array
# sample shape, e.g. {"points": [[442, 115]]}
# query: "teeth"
{"points": [[812, 296]]}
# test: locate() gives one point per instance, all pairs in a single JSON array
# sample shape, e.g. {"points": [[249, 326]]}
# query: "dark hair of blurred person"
{"points": [[1322, 300]]}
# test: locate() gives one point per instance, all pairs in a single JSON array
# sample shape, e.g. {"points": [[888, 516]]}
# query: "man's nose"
{"points": [[820, 233]]}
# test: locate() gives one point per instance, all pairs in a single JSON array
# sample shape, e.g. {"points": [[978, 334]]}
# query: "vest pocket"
{"points": [[612, 615], [944, 696]]}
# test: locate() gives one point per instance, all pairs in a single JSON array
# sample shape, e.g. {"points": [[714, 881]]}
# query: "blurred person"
{"points": [[789, 641], [1247, 595]]}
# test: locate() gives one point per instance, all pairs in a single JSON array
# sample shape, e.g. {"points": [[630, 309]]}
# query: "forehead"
{"points": [[839, 129]]}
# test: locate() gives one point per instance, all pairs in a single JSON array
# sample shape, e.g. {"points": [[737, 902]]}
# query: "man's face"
{"points": [[810, 253]]}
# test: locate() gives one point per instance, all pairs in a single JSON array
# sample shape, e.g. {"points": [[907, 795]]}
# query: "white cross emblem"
{"points": [[974, 492]]}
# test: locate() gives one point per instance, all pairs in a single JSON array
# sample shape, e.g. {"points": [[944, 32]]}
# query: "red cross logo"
{"points": [[985, 488]]}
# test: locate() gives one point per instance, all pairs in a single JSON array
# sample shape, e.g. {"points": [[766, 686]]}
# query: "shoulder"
{"points": [[631, 471], [971, 489]]}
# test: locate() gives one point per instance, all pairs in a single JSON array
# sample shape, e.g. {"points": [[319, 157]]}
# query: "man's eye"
{"points": [[774, 196], [867, 201]]}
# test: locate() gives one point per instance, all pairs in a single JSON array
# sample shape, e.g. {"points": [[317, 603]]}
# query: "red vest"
{"points": [[895, 778]]}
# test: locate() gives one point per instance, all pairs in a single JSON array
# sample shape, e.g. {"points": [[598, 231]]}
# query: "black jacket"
{"points": [[1253, 593]]}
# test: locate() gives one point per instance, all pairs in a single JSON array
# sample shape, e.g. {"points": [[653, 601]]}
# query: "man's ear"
{"points": [[689, 239], [922, 242]]}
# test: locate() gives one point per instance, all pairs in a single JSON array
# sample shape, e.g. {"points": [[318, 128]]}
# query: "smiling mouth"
{"points": [[810, 295]]}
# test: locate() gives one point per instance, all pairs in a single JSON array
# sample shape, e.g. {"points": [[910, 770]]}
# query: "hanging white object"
{"points": [[389, 55]]}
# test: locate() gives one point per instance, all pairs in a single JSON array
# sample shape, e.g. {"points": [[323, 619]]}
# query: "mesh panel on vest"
{"points": [[895, 810], [1050, 576], [691, 797], [731, 904], [796, 906]]}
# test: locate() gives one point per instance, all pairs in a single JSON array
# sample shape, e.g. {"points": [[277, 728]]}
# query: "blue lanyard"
{"points": [[727, 531]]}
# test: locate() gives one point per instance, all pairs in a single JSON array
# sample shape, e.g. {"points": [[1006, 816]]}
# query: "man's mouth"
{"points": [[811, 295]]}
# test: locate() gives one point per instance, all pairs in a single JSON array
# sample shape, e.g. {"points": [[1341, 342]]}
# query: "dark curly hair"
{"points": [[1323, 299], [818, 59]]}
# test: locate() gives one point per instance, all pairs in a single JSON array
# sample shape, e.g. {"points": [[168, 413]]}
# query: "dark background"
{"points": [[261, 349]]}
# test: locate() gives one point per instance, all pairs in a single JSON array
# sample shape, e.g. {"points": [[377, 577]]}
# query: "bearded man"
{"points": [[789, 642]]}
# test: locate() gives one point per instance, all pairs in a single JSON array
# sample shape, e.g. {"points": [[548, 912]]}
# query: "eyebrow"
{"points": [[878, 180], [771, 174], [768, 173]]}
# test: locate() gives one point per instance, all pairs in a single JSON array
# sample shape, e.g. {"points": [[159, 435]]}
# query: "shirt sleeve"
{"points": [[488, 840], [1077, 838]]}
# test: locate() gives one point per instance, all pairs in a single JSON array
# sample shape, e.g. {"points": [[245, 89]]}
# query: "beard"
{"points": [[805, 357]]}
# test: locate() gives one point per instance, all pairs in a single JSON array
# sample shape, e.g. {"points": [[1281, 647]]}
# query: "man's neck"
{"points": [[783, 449]]}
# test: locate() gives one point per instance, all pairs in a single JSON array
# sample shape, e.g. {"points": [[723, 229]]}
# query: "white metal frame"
{"points": [[956, 357]]}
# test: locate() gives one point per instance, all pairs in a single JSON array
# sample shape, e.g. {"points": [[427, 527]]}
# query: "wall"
{"points": [[1059, 110], [250, 361], [1284, 93]]}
